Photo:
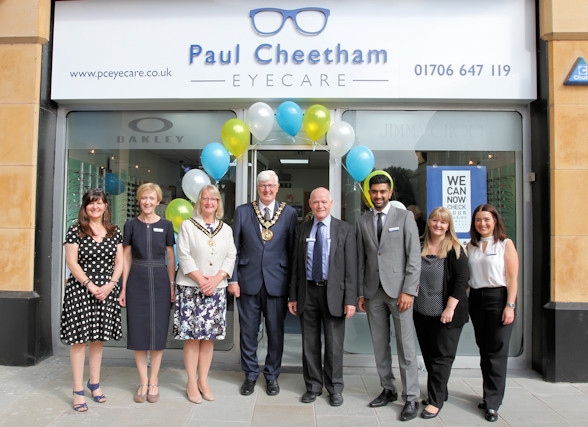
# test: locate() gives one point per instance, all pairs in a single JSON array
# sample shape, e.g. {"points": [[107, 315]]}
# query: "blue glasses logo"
{"points": [[309, 21]]}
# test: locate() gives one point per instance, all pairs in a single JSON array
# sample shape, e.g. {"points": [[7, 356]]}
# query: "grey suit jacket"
{"points": [[395, 261], [342, 280]]}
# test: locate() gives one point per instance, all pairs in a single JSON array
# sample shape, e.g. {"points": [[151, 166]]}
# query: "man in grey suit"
{"points": [[323, 290], [389, 273]]}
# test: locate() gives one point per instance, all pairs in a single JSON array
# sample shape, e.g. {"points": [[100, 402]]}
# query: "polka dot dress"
{"points": [[83, 317]]}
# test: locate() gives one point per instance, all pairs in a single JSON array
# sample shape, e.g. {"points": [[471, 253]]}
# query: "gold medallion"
{"points": [[211, 242], [267, 234]]}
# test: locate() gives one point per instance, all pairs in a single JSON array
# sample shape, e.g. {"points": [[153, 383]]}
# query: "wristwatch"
{"points": [[511, 305]]}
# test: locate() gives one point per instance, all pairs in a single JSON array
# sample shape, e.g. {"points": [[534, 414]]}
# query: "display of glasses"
{"points": [[81, 177], [501, 190]]}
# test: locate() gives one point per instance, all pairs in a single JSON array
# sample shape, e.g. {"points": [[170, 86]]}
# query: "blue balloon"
{"points": [[215, 160], [113, 185], [360, 162], [289, 117]]}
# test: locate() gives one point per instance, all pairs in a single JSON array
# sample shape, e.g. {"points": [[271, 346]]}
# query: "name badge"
{"points": [[394, 229], [310, 239], [158, 230]]}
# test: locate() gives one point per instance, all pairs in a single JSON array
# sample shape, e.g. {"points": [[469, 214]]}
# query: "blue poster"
{"points": [[460, 189]]}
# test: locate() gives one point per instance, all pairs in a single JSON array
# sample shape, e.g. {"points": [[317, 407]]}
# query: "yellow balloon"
{"points": [[235, 136], [177, 211], [366, 186], [316, 121]]}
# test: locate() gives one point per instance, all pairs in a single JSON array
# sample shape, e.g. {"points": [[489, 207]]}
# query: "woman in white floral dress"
{"points": [[206, 254]]}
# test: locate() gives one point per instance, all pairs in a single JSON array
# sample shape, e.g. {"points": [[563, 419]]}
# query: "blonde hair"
{"points": [[213, 190], [147, 188], [450, 241]]}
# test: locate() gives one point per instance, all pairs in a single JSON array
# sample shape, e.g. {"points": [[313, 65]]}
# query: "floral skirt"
{"points": [[200, 317]]}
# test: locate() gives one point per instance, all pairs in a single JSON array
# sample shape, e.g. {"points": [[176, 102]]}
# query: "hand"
{"points": [[122, 298], [508, 315], [101, 292], [447, 315], [293, 308], [173, 293], [361, 303], [209, 284], [234, 289], [349, 311], [404, 302]]}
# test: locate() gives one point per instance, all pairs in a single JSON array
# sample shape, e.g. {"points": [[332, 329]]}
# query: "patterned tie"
{"points": [[379, 226], [210, 229], [267, 216], [317, 255]]}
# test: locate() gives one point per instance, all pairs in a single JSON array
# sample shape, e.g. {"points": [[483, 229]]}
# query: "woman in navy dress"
{"points": [[148, 287], [91, 314]]}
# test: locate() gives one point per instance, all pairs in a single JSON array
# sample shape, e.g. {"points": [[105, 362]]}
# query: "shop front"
{"points": [[432, 90]]}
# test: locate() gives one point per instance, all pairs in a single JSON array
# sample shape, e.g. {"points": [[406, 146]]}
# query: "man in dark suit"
{"points": [[323, 290], [389, 270], [264, 236]]}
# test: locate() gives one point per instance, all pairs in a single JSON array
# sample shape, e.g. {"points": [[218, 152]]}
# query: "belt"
{"points": [[319, 283]]}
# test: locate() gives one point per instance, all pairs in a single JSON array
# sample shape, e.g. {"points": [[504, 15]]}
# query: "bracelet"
{"points": [[85, 284], [114, 281], [172, 283]]}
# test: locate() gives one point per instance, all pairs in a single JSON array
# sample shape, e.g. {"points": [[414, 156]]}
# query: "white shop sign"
{"points": [[393, 49]]}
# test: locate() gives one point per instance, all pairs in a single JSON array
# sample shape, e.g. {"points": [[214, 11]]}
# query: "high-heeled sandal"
{"points": [[152, 397], [80, 407], [93, 388], [140, 398]]}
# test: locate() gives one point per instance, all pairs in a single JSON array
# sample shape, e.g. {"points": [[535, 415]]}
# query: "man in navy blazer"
{"points": [[324, 297], [264, 237], [389, 269]]}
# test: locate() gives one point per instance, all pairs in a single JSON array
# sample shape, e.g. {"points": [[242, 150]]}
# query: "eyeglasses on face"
{"points": [[267, 186], [209, 199], [268, 21]]}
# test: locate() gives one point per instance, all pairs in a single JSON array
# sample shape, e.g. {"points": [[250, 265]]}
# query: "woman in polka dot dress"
{"points": [[91, 313], [441, 307]]}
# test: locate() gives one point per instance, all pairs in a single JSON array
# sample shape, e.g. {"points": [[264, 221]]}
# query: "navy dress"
{"points": [[148, 292]]}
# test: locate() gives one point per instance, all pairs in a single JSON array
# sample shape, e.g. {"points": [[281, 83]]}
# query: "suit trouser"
{"points": [[316, 313], [438, 347], [493, 339], [379, 309], [274, 310]]}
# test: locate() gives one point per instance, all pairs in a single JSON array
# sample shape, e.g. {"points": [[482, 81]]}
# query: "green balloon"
{"points": [[177, 211]]}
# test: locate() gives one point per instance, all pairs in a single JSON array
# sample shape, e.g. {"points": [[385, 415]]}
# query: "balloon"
{"points": [[235, 135], [360, 162], [398, 204], [113, 185], [192, 183], [366, 186], [177, 211], [340, 138], [260, 119], [316, 121], [289, 117], [215, 160]]}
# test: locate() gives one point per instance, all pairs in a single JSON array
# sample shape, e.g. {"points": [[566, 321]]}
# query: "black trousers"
{"points": [[493, 339], [317, 370], [438, 347]]}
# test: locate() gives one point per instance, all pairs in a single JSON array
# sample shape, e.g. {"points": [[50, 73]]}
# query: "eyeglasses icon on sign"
{"points": [[310, 21]]}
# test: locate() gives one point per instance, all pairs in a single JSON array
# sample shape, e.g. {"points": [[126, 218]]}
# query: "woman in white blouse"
{"points": [[494, 269], [206, 254]]}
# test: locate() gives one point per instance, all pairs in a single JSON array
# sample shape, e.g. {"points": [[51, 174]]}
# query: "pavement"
{"points": [[40, 395]]}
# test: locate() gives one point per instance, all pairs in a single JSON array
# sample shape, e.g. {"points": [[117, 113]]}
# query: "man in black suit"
{"points": [[323, 290], [264, 237]]}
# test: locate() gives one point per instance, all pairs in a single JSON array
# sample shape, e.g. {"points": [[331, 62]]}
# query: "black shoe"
{"points": [[272, 388], [248, 387], [482, 404], [428, 415], [491, 415], [335, 399], [310, 396], [385, 397], [409, 411]]}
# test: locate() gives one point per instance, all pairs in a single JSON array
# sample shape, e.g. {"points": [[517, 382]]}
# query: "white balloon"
{"points": [[340, 138], [398, 204], [193, 181], [260, 119]]}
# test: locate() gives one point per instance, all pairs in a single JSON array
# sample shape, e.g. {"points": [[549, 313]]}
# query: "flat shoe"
{"points": [[206, 395], [152, 397], [385, 397], [428, 415], [248, 387], [195, 398], [140, 398], [310, 396], [491, 415], [482, 404]]}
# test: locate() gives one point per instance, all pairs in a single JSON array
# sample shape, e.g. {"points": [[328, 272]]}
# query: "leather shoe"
{"points": [[309, 396], [248, 387], [428, 415], [409, 411], [336, 399], [385, 397], [482, 404], [272, 387], [491, 415]]}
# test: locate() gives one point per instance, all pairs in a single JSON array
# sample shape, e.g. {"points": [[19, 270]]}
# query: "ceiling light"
{"points": [[294, 161]]}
